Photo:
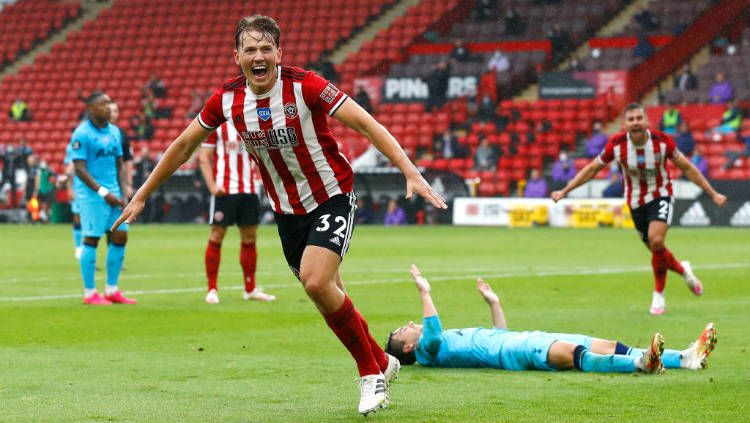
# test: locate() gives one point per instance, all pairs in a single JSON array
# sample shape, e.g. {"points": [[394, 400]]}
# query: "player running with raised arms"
{"points": [[642, 154], [280, 113]]}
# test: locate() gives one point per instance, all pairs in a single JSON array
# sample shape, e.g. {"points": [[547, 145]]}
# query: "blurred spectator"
{"points": [[536, 186], [326, 69], [670, 120], [363, 99], [460, 54], [514, 23], [684, 139], [42, 187], [446, 146], [19, 111], [199, 99], [149, 102], [700, 162], [143, 165], [485, 157], [394, 214], [647, 20], [560, 40], [365, 213], [141, 126], [576, 65], [597, 140], [486, 109], [615, 188], [157, 86], [498, 62], [485, 10], [643, 49], [732, 156], [23, 151], [685, 80], [437, 83], [731, 121], [9, 181], [563, 170], [722, 91]]}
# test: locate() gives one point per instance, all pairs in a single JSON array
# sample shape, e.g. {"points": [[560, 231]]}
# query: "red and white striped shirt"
{"points": [[643, 167], [286, 132], [233, 169]]}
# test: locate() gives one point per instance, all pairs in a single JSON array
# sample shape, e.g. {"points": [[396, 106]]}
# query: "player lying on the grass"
{"points": [[501, 348]]}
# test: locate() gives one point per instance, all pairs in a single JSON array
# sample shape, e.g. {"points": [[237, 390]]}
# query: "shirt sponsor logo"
{"points": [[290, 110], [329, 93], [264, 113], [271, 139]]}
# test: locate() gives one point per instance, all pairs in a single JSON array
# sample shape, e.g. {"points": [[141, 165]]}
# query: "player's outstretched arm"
{"points": [[695, 176], [583, 176], [355, 117], [428, 308], [178, 153], [498, 317]]}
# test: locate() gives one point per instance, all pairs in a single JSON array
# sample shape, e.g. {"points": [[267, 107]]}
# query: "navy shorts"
{"points": [[235, 209], [658, 209], [329, 226]]}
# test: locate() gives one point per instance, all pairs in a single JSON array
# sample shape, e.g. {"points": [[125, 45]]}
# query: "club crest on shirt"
{"points": [[329, 93], [264, 113], [76, 144], [657, 157], [290, 110]]}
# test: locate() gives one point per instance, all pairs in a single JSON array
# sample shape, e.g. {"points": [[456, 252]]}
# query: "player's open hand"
{"points": [[557, 195], [417, 184], [720, 199], [422, 284], [485, 290], [129, 213]]}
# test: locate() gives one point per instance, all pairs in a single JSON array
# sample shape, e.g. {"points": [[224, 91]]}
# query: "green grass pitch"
{"points": [[173, 358]]}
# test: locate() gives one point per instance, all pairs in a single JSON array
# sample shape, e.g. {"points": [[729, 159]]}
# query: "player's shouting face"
{"points": [[258, 55], [636, 124]]}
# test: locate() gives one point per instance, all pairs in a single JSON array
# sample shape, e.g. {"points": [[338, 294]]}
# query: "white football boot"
{"points": [[373, 395]]}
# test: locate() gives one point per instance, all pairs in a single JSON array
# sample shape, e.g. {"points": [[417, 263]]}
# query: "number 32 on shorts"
{"points": [[664, 211], [338, 221]]}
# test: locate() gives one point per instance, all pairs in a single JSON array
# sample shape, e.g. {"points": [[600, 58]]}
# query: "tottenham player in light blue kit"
{"points": [[96, 150], [501, 348], [75, 209]]}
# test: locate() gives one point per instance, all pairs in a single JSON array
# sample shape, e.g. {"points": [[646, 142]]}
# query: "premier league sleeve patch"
{"points": [[76, 144], [329, 93]]}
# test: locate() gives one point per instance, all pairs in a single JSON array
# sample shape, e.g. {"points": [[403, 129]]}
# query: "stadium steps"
{"points": [[370, 31], [91, 9], [614, 26], [698, 60]]}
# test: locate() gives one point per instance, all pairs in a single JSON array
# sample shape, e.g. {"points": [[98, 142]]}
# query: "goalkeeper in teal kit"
{"points": [[497, 347]]}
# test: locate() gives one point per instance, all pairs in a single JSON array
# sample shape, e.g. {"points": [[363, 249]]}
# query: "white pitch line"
{"points": [[404, 279]]}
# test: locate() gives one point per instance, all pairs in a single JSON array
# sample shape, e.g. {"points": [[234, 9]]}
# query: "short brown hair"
{"points": [[266, 25], [634, 106]]}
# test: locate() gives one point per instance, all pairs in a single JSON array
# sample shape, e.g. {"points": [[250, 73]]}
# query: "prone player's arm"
{"points": [[355, 117], [424, 288], [695, 176], [177, 153], [493, 300], [583, 176]]}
